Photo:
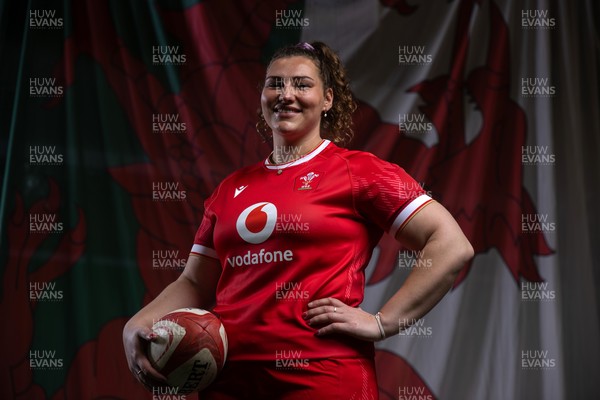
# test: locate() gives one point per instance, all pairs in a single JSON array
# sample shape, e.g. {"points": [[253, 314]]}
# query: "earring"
{"points": [[325, 115]]}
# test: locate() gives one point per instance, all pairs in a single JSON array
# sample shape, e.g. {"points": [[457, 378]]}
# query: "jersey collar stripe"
{"points": [[302, 159], [203, 250], [408, 212]]}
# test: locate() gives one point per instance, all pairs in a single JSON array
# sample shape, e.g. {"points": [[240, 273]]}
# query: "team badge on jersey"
{"points": [[309, 181]]}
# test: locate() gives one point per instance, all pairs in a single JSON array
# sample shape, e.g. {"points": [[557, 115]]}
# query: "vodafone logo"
{"points": [[256, 223]]}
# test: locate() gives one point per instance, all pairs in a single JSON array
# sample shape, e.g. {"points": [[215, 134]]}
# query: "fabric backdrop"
{"points": [[119, 118]]}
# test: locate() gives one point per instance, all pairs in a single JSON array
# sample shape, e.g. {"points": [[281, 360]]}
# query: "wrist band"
{"points": [[378, 319]]}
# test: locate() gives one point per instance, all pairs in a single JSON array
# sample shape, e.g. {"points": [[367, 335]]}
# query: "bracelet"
{"points": [[378, 319]]}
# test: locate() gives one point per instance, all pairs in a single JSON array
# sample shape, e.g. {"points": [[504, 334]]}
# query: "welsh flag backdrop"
{"points": [[119, 118]]}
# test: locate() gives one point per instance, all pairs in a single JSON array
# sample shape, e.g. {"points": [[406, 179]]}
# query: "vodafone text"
{"points": [[261, 257]]}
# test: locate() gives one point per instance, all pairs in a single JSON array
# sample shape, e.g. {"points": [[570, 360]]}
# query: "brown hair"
{"points": [[337, 125]]}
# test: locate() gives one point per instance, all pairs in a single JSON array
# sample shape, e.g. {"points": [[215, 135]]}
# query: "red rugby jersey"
{"points": [[288, 234]]}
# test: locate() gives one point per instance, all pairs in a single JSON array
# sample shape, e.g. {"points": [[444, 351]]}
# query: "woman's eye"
{"points": [[274, 83]]}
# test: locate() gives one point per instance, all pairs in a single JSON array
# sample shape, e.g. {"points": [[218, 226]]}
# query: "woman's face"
{"points": [[293, 97]]}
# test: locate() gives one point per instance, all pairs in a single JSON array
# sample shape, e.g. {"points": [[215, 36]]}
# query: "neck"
{"points": [[285, 150]]}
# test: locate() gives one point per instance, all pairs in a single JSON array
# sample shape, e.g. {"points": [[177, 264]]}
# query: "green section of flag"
{"points": [[90, 129]]}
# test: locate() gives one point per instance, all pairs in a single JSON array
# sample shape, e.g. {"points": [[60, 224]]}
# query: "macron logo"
{"points": [[239, 190]]}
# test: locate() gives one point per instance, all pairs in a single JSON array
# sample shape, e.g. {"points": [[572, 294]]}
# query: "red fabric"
{"points": [[324, 234], [398, 380], [336, 379]]}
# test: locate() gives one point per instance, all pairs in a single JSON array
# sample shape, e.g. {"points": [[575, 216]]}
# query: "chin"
{"points": [[287, 128]]}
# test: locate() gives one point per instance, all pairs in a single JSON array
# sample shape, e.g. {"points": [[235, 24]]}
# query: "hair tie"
{"points": [[305, 46]]}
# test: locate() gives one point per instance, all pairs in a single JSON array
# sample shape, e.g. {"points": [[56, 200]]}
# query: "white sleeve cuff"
{"points": [[205, 251], [409, 211]]}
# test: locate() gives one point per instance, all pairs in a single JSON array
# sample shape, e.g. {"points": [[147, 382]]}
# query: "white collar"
{"points": [[305, 158]]}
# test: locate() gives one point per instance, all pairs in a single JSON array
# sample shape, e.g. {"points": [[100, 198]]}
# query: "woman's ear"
{"points": [[328, 99]]}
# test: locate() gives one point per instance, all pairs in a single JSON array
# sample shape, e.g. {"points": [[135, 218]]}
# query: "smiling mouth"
{"points": [[286, 110]]}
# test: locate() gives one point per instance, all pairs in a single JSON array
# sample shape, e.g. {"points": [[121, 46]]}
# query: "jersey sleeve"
{"points": [[384, 193], [203, 241]]}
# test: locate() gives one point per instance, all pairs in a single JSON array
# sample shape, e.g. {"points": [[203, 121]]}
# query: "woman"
{"points": [[283, 246]]}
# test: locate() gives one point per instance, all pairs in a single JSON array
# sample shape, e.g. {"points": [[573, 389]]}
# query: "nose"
{"points": [[286, 91]]}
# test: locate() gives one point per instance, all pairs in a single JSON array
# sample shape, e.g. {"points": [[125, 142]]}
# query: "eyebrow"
{"points": [[293, 77]]}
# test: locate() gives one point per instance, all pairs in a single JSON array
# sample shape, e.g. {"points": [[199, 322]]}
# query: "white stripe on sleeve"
{"points": [[206, 251], [408, 212]]}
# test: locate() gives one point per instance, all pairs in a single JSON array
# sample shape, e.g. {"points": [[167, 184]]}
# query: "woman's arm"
{"points": [[441, 244], [195, 287]]}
